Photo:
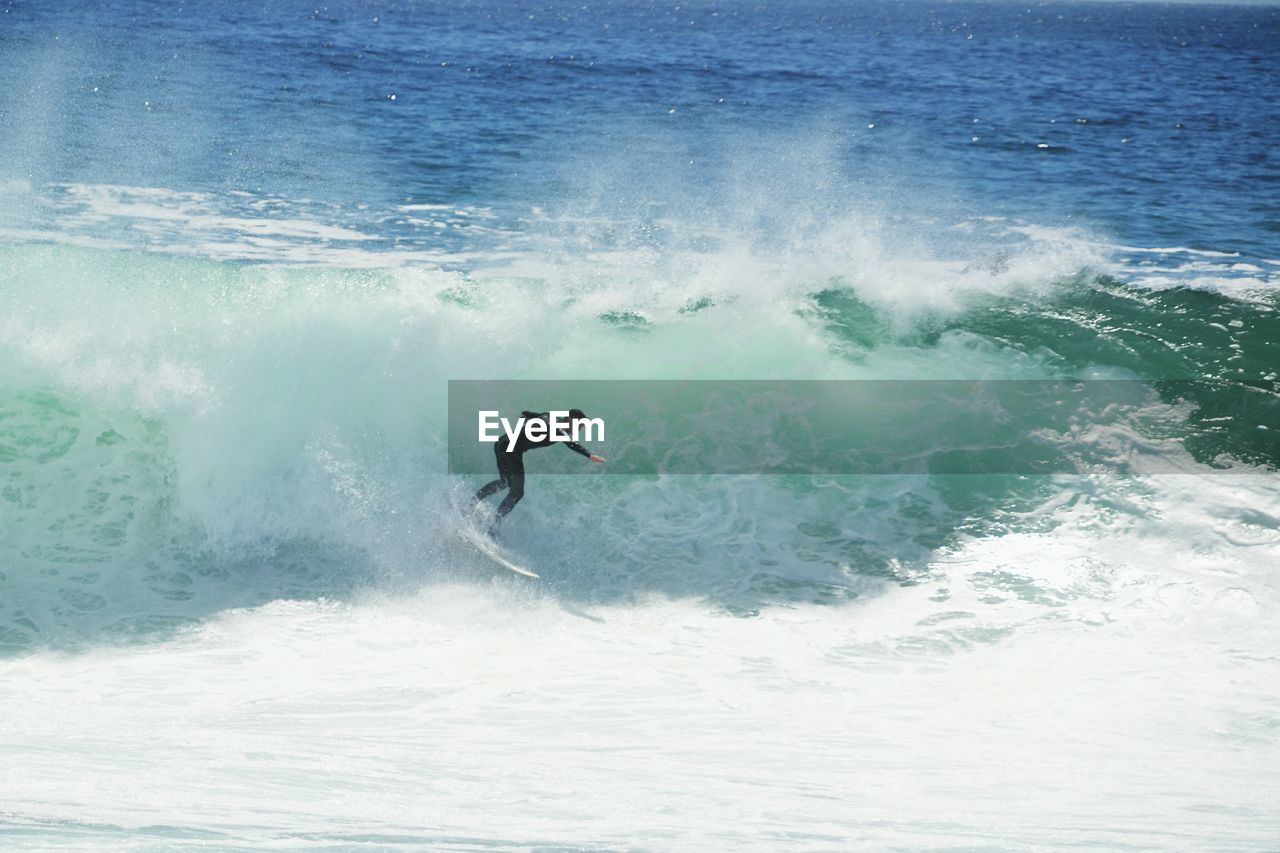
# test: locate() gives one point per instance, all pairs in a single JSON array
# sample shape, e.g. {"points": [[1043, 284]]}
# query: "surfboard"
{"points": [[490, 549]]}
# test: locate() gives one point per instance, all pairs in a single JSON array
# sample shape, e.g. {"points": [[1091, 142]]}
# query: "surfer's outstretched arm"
{"points": [[578, 448]]}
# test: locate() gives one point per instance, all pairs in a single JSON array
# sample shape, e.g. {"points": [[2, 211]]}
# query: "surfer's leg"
{"points": [[489, 488], [500, 483], [515, 485]]}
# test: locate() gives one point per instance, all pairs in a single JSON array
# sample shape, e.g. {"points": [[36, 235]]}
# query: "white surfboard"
{"points": [[490, 549]]}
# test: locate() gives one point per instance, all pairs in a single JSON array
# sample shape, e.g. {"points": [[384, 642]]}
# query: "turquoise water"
{"points": [[243, 250]]}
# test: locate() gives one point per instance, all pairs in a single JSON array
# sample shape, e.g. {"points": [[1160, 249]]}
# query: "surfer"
{"points": [[511, 461]]}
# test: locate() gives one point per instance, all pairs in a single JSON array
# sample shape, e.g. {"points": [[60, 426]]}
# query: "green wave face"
{"points": [[182, 436]]}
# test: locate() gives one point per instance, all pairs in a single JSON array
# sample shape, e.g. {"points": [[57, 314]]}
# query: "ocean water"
{"points": [[243, 248]]}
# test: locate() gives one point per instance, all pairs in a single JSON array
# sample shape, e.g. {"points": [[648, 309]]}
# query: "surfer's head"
{"points": [[576, 415]]}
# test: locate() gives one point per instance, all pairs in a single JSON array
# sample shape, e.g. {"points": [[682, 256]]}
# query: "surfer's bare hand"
{"points": [[595, 458]]}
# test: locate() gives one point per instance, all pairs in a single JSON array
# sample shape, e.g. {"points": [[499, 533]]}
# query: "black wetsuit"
{"points": [[511, 463]]}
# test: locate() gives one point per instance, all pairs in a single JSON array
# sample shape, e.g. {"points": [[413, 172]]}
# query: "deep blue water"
{"points": [[1150, 124]]}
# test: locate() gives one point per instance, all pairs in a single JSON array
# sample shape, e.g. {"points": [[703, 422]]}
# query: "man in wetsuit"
{"points": [[511, 463]]}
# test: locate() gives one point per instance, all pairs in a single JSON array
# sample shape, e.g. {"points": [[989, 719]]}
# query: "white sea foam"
{"points": [[1061, 678], [904, 274]]}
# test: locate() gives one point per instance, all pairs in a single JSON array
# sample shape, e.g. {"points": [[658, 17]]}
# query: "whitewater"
{"points": [[237, 277]]}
